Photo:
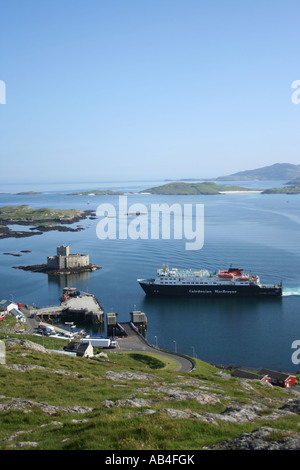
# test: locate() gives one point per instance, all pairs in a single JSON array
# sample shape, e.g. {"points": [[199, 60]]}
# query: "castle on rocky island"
{"points": [[64, 260], [63, 263]]}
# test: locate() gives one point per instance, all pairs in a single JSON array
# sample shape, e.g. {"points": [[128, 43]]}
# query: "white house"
{"points": [[7, 306]]}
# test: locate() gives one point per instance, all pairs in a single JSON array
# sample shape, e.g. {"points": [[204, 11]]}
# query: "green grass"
{"points": [[120, 428], [148, 361], [7, 323], [24, 213]]}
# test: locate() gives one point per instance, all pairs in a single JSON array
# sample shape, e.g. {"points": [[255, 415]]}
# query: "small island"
{"points": [[40, 220], [96, 192], [63, 263], [207, 188], [28, 193]]}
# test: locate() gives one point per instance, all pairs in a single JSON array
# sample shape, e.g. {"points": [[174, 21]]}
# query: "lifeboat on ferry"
{"points": [[235, 271], [225, 275]]}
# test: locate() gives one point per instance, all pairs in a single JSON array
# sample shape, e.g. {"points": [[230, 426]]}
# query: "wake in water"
{"points": [[290, 291]]}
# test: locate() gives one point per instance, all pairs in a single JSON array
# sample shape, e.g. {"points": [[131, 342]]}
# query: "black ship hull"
{"points": [[212, 291]]}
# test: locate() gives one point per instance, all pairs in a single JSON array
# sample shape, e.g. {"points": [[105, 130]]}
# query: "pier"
{"points": [[138, 320], [84, 308]]}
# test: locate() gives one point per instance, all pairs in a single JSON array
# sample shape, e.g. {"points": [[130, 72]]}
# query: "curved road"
{"points": [[135, 342]]}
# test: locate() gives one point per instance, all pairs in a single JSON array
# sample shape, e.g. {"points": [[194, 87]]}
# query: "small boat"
{"points": [[225, 275]]}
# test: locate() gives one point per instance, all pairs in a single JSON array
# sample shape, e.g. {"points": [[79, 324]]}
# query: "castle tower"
{"points": [[63, 250]]}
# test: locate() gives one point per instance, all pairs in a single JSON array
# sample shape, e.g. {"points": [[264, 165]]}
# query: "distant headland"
{"points": [[187, 186], [277, 172]]}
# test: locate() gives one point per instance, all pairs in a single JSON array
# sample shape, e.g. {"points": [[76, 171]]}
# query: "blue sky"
{"points": [[126, 89]]}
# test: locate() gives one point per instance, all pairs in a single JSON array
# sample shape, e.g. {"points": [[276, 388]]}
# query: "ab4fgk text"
{"points": [[156, 459]]}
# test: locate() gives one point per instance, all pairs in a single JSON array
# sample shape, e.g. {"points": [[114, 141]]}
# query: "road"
{"points": [[132, 342], [135, 342], [32, 323]]}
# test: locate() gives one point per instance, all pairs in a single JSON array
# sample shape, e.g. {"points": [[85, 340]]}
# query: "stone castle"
{"points": [[64, 260]]}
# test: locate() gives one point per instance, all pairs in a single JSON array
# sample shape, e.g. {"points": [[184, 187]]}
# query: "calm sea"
{"points": [[252, 231]]}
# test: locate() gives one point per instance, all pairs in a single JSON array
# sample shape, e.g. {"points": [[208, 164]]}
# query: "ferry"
{"points": [[203, 283]]}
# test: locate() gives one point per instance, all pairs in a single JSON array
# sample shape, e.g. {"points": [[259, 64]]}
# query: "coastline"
{"points": [[250, 191], [43, 268]]}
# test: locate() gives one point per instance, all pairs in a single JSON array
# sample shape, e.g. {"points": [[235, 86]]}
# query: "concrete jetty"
{"points": [[84, 308]]}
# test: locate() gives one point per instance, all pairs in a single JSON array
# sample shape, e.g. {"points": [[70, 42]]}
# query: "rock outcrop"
{"points": [[26, 406], [264, 438]]}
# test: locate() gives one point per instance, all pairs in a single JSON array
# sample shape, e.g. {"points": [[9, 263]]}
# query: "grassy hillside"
{"points": [[193, 188], [127, 401]]}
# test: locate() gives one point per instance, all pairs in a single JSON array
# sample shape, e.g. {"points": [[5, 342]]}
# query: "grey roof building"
{"points": [[81, 349], [7, 305]]}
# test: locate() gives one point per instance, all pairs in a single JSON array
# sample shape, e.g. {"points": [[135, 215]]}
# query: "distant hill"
{"points": [[286, 190], [295, 182], [192, 188], [278, 171]]}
